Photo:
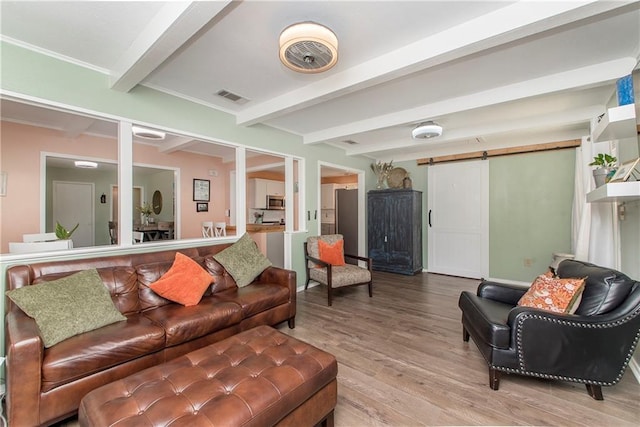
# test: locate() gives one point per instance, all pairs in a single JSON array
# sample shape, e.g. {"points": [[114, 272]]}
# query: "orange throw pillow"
{"points": [[185, 282], [554, 294], [333, 254]]}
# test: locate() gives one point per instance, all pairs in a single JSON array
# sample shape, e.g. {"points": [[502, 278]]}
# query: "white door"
{"points": [[458, 219], [73, 203]]}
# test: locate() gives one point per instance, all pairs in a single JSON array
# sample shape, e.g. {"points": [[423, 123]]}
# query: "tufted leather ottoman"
{"points": [[259, 377]]}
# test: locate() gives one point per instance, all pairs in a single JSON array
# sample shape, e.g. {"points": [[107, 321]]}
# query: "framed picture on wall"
{"points": [[201, 190], [624, 171], [202, 207]]}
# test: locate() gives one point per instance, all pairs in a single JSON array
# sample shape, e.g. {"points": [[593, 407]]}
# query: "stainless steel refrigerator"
{"points": [[347, 220]]}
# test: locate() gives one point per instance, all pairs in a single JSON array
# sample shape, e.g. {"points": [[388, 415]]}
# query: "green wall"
{"points": [[530, 201]]}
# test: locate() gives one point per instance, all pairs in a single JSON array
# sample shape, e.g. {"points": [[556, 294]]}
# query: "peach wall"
{"points": [[20, 150]]}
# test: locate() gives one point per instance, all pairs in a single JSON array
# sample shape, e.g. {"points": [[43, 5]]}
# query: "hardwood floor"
{"points": [[402, 362]]}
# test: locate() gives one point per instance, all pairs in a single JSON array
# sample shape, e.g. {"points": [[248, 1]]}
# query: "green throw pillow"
{"points": [[69, 306], [243, 260]]}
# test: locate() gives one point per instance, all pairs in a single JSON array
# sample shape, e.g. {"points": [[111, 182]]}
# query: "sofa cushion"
{"points": [[553, 294], [68, 306], [243, 260], [256, 298], [185, 282], [605, 289], [222, 280], [344, 275], [183, 324], [98, 350]]}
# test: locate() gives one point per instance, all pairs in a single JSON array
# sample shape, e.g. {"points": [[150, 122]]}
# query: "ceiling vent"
{"points": [[426, 130], [232, 96], [308, 47], [350, 141]]}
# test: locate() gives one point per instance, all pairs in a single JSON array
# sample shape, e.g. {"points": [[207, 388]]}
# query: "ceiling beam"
{"points": [[176, 144], [168, 30], [501, 26], [486, 130], [581, 77]]}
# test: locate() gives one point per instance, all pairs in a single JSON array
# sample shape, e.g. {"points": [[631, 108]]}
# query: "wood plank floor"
{"points": [[402, 362]]}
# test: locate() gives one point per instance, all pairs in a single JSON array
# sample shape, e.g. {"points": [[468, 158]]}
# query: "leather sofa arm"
{"points": [[24, 368], [502, 292], [278, 276], [555, 344]]}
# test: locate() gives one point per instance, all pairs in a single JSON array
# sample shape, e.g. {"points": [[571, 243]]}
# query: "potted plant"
{"points": [[605, 167], [62, 233], [146, 211]]}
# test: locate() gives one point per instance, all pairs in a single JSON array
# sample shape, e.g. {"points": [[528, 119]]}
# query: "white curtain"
{"points": [[593, 228]]}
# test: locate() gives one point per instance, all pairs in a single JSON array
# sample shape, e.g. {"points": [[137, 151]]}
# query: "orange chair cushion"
{"points": [[185, 282], [333, 254]]}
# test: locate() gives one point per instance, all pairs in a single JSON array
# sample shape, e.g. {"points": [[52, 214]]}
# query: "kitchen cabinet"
{"points": [[327, 228], [258, 189], [394, 230]]}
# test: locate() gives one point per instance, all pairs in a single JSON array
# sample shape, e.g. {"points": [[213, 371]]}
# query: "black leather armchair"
{"points": [[592, 346]]}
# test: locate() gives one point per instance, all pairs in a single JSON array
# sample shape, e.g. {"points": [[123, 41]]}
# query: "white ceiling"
{"points": [[492, 73]]}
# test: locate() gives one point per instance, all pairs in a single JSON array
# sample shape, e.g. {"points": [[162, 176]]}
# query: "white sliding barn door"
{"points": [[458, 219]]}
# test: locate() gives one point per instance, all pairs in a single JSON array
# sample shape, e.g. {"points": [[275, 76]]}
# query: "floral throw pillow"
{"points": [[554, 294]]}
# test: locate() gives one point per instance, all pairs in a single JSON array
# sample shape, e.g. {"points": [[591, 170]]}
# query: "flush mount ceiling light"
{"points": [[308, 47], [426, 130], [145, 133], [85, 164]]}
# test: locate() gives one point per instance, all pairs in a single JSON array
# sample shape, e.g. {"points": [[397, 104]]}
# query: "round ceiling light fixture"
{"points": [[145, 133], [84, 164], [426, 130], [308, 47]]}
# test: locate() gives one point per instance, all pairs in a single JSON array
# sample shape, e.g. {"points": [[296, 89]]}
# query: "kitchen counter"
{"points": [[259, 228]]}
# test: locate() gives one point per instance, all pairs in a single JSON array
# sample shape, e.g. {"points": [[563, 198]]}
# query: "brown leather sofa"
{"points": [[45, 385]]}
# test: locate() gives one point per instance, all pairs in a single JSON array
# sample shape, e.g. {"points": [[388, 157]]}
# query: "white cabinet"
{"points": [[258, 189]]}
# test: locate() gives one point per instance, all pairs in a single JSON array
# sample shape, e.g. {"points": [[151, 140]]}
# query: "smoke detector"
{"points": [[308, 47], [426, 130]]}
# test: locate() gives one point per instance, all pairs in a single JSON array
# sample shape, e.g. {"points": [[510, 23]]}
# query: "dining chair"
{"points": [[220, 229], [138, 237], [166, 229], [207, 229], [113, 232]]}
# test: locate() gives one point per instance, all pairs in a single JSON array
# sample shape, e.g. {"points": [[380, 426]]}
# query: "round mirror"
{"points": [[157, 202]]}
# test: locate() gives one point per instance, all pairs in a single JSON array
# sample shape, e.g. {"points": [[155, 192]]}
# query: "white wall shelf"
{"points": [[615, 192], [617, 123]]}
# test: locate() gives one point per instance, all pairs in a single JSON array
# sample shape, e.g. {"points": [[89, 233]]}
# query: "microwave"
{"points": [[275, 202]]}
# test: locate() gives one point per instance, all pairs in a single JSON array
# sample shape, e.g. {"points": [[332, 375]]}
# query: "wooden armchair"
{"points": [[334, 276]]}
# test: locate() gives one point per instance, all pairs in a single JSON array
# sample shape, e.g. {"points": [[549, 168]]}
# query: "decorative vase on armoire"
{"points": [[395, 230]]}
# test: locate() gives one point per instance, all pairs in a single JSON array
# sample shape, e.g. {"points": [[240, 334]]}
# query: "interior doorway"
{"points": [[341, 201], [73, 204]]}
